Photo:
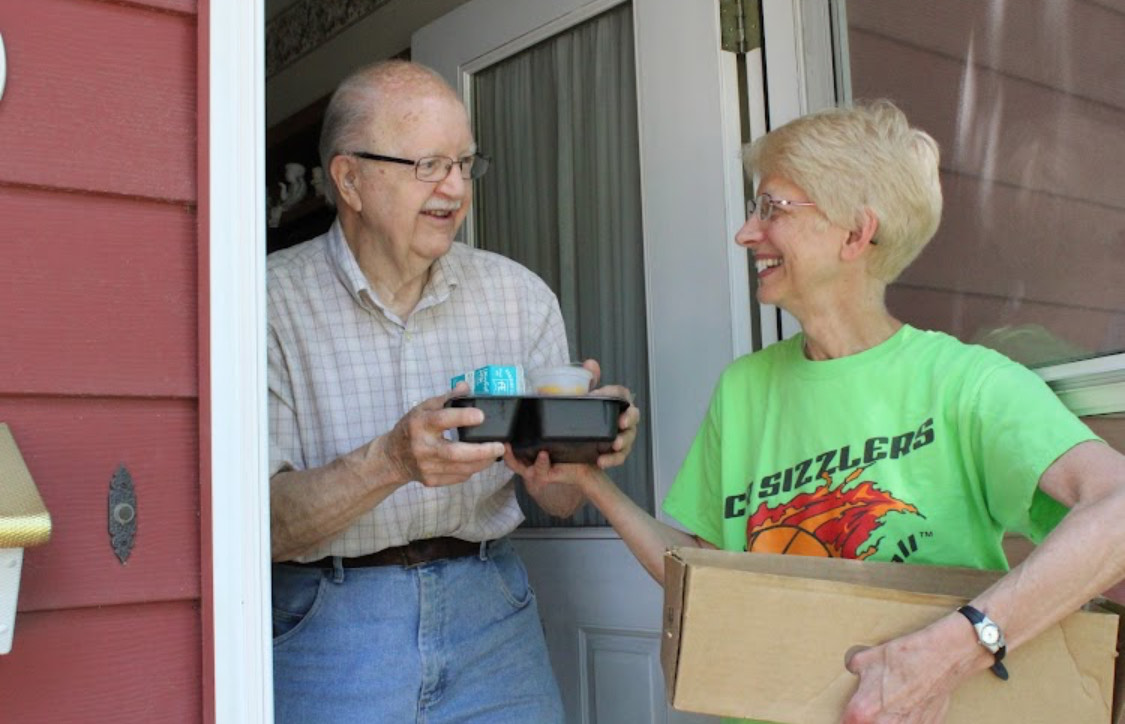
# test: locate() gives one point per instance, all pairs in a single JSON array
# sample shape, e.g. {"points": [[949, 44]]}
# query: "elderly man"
{"points": [[397, 596]]}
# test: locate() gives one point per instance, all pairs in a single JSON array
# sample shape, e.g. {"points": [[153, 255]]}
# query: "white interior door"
{"points": [[601, 612]]}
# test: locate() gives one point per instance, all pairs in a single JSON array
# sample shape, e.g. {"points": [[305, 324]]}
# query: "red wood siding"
{"points": [[72, 447], [88, 666], [100, 97], [100, 320], [105, 286]]}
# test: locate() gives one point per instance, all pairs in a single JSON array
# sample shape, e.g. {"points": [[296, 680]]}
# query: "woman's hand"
{"points": [[910, 679], [558, 488]]}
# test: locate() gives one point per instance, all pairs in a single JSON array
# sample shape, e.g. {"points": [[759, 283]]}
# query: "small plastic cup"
{"points": [[572, 379]]}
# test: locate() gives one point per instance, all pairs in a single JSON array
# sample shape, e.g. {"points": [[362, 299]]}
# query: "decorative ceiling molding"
{"points": [[307, 24]]}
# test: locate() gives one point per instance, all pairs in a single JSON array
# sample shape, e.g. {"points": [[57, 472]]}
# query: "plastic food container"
{"points": [[572, 379], [570, 429], [499, 418]]}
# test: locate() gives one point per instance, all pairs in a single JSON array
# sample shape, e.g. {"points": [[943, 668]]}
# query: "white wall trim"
{"points": [[243, 666], [786, 89], [1089, 387], [769, 326], [784, 60], [1087, 368], [738, 259]]}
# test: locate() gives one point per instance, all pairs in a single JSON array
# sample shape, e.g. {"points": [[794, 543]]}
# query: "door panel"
{"points": [[601, 612]]}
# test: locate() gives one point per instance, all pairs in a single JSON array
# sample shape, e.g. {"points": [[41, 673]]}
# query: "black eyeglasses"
{"points": [[433, 169]]}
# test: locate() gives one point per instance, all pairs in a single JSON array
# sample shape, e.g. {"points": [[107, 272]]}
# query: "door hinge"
{"points": [[740, 25]]}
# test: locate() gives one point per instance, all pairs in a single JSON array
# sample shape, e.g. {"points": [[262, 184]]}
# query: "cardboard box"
{"points": [[763, 636], [1119, 674]]}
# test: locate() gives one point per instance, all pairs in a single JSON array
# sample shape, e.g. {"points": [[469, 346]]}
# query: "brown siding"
{"points": [[99, 289], [1028, 106], [1112, 429]]}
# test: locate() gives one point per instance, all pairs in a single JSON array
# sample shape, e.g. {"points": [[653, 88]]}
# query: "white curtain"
{"points": [[563, 197]]}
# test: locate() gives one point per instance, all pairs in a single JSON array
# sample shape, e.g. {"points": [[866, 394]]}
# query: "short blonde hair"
{"points": [[865, 156]]}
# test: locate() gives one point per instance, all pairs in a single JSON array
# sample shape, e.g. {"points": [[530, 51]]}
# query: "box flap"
{"points": [[958, 582], [674, 574]]}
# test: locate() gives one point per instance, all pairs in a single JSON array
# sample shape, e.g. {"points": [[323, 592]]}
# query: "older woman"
{"points": [[863, 437]]}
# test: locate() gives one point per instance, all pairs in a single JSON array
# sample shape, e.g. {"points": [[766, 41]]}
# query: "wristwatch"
{"points": [[989, 636]]}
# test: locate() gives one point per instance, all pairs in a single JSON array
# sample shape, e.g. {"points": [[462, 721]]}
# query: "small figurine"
{"points": [[318, 182], [290, 192]]}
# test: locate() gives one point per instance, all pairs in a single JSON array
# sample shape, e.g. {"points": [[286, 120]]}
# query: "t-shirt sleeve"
{"points": [[695, 498], [1019, 428]]}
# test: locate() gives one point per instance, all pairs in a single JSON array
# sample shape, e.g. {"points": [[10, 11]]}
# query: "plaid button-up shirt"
{"points": [[343, 369]]}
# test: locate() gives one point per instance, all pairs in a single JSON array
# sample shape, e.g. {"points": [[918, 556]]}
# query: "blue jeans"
{"points": [[455, 640]]}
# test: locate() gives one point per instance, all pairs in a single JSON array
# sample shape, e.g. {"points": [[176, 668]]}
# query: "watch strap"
{"points": [[978, 619]]}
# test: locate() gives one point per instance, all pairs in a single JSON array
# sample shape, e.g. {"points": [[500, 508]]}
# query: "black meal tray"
{"points": [[571, 429]]}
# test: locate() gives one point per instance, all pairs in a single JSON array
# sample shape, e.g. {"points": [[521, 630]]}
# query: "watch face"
{"points": [[989, 635]]}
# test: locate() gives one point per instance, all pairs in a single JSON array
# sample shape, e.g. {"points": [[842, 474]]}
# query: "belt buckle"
{"points": [[413, 556]]}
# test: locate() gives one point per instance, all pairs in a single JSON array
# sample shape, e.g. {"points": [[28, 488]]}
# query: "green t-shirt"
{"points": [[922, 450]]}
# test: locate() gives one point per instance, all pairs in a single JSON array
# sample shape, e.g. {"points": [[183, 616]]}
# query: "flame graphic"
{"points": [[840, 520]]}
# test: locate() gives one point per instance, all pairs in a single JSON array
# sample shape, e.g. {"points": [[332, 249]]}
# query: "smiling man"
{"points": [[396, 594]]}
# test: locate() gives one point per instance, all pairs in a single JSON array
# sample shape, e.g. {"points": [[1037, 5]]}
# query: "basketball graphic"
{"points": [[828, 522], [789, 539]]}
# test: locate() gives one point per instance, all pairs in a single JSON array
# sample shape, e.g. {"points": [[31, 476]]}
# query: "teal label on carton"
{"points": [[493, 380], [498, 380]]}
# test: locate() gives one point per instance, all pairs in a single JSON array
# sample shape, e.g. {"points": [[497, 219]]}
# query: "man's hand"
{"points": [[418, 449], [557, 488], [626, 423]]}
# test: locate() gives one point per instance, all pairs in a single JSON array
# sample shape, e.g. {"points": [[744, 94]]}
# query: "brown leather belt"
{"points": [[414, 553]]}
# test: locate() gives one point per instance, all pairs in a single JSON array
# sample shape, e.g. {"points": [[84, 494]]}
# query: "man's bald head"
{"points": [[372, 100]]}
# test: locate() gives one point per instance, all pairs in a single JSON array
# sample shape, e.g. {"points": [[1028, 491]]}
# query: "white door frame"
{"points": [[232, 206]]}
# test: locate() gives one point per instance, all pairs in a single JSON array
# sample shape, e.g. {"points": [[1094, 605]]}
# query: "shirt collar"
{"points": [[444, 274], [345, 265]]}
